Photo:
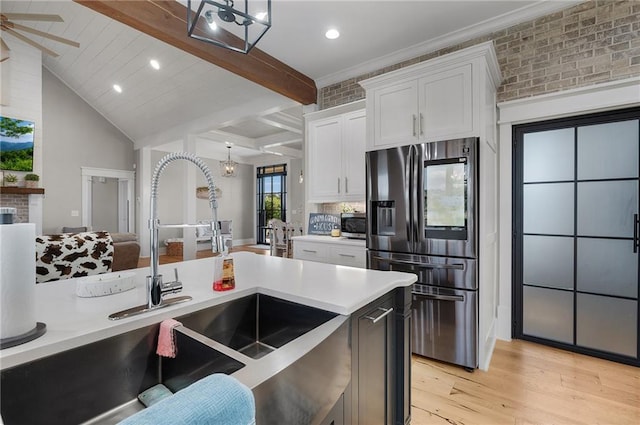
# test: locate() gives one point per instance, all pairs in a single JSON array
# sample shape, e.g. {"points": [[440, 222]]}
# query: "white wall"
{"points": [[295, 189], [76, 135]]}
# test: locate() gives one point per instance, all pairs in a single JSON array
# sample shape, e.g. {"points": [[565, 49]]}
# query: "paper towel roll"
{"points": [[17, 279]]}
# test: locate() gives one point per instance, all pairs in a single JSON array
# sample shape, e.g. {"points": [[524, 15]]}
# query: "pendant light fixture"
{"points": [[237, 29], [228, 167]]}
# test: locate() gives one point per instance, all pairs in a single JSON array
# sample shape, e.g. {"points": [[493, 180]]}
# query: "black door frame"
{"points": [[269, 171], [517, 235]]}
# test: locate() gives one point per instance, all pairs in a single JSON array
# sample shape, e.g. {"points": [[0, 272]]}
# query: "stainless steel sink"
{"points": [[82, 384], [194, 362], [257, 324], [98, 383]]}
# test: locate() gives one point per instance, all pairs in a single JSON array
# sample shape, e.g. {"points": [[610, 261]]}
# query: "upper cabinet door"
{"points": [[325, 144], [446, 105], [395, 114], [353, 148]]}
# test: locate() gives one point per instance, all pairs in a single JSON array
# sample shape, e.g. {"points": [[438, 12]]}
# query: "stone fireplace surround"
{"points": [[27, 202]]}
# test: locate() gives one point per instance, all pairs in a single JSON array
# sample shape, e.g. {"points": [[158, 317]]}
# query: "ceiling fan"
{"points": [[8, 26]]}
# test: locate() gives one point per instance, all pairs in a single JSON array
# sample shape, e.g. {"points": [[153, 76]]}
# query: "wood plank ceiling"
{"points": [[166, 21]]}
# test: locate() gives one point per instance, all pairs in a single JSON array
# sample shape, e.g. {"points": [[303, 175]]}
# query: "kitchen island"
{"points": [[350, 294]]}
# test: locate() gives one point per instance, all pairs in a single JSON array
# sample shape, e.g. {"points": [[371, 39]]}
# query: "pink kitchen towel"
{"points": [[166, 338]]}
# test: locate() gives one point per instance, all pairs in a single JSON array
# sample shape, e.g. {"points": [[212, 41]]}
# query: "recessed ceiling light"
{"points": [[117, 88], [154, 64], [332, 34]]}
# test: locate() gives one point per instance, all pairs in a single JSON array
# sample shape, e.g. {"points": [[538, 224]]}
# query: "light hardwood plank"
{"points": [[527, 383]]}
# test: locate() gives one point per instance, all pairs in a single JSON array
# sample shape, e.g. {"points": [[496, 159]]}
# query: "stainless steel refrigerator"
{"points": [[422, 217]]}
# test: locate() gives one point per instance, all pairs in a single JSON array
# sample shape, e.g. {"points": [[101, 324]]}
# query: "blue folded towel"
{"points": [[216, 399]]}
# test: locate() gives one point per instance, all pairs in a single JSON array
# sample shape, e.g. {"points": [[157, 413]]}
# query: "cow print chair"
{"points": [[67, 255]]}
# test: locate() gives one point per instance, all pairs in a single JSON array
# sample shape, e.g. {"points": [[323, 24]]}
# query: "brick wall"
{"points": [[593, 42], [20, 203]]}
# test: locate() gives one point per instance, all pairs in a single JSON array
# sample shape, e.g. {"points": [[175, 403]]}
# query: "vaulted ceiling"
{"points": [[189, 95]]}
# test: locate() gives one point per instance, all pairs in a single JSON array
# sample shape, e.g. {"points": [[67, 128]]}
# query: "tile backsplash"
{"points": [[339, 207]]}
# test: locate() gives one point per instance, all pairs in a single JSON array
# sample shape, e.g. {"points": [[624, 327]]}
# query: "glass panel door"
{"points": [[576, 226], [271, 198]]}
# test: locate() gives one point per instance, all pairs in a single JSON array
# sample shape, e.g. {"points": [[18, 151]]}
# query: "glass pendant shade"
{"points": [[228, 167]]}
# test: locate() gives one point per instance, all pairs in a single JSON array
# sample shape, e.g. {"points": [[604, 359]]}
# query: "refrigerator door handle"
{"points": [[454, 266], [414, 163], [408, 198], [455, 298], [636, 243]]}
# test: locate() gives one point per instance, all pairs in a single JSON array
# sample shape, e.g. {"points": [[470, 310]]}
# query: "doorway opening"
{"points": [[271, 198], [576, 226], [107, 199]]}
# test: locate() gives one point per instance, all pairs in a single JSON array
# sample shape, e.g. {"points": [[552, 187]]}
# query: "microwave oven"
{"points": [[353, 225]]}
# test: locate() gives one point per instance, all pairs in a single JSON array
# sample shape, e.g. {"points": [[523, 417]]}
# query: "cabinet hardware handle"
{"points": [[309, 250], [420, 124], [338, 184], [346, 185], [386, 311], [347, 255], [414, 125], [636, 242]]}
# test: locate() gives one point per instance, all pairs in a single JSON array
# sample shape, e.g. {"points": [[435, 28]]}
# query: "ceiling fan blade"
{"points": [[31, 17], [4, 51], [42, 34], [3, 46], [29, 41]]}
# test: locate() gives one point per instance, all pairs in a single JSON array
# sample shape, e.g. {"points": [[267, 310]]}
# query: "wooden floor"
{"points": [[526, 384]]}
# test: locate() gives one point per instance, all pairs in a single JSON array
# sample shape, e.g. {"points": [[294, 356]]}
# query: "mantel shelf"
{"points": [[22, 190]]}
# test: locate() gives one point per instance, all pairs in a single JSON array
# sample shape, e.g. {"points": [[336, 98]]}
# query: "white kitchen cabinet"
{"points": [[438, 99], [335, 147], [446, 101], [353, 158], [348, 255], [395, 114], [325, 249]]}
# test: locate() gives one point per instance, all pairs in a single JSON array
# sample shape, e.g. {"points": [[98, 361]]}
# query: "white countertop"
{"points": [[329, 239], [72, 321]]}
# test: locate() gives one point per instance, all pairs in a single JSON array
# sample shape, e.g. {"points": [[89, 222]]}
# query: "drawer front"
{"points": [[348, 256], [303, 250]]}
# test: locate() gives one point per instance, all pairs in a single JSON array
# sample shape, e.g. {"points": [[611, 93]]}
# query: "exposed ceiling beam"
{"points": [[282, 150], [278, 139], [166, 20], [272, 122]]}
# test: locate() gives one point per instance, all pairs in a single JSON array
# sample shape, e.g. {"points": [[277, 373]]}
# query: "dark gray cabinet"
{"points": [[381, 362], [375, 355]]}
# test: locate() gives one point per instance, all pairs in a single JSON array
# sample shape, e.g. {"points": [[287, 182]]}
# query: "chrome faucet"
{"points": [[156, 288]]}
